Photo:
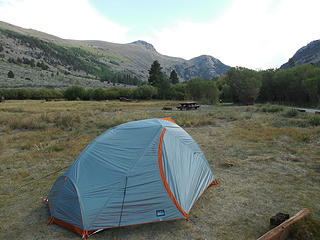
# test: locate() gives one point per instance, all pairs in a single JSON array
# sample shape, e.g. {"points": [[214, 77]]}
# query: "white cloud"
{"points": [[254, 34], [70, 19], [250, 33]]}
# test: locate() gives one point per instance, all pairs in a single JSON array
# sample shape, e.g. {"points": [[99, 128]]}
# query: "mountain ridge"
{"points": [[308, 54], [145, 44], [133, 59]]}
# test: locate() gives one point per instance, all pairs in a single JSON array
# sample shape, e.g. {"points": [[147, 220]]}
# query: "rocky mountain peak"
{"points": [[305, 55], [206, 58], [144, 44], [22, 47]]}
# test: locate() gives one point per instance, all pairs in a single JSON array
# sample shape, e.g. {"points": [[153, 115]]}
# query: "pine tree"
{"points": [[155, 74], [174, 77], [292, 63]]}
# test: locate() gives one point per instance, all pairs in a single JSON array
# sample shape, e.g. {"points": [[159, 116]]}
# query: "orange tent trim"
{"points": [[214, 182], [87, 233], [163, 177], [81, 232], [169, 119]]}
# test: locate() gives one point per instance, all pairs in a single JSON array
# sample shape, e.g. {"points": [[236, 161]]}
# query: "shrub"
{"points": [[7, 93], [21, 93], [75, 92], [305, 229], [27, 61], [179, 91], [125, 92], [88, 94], [10, 74], [203, 90], [291, 113], [244, 84], [98, 94], [271, 108], [114, 62], [112, 93], [144, 92], [46, 93], [314, 120], [18, 93], [42, 65]]}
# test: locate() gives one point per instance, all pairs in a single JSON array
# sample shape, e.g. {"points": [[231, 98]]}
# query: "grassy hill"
{"points": [[39, 59]]}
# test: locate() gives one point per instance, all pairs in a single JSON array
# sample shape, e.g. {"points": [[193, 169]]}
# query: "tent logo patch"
{"points": [[160, 213]]}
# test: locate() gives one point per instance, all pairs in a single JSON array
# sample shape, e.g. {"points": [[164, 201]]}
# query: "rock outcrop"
{"points": [[305, 55]]}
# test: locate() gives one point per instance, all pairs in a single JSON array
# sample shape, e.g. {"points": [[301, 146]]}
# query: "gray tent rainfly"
{"points": [[138, 172]]}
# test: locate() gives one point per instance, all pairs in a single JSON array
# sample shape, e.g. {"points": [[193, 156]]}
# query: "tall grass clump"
{"points": [[67, 120], [28, 123], [195, 120], [271, 108], [291, 113], [305, 229], [47, 117], [111, 122], [314, 120]]}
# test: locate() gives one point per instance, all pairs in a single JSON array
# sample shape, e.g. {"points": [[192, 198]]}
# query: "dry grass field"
{"points": [[266, 158]]}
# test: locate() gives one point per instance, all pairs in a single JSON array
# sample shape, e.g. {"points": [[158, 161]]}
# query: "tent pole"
{"points": [[124, 196]]}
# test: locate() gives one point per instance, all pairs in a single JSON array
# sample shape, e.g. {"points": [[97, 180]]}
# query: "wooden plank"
{"points": [[282, 231]]}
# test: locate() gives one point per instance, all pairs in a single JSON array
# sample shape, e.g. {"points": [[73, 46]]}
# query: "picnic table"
{"points": [[188, 106], [123, 99]]}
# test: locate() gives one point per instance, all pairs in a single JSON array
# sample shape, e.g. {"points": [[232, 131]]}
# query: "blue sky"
{"points": [[143, 16], [257, 34]]}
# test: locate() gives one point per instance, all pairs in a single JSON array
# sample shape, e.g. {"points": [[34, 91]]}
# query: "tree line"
{"points": [[159, 86], [199, 89], [143, 92], [300, 84]]}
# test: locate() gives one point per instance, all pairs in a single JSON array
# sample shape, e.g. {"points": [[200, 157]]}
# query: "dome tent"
{"points": [[138, 172]]}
